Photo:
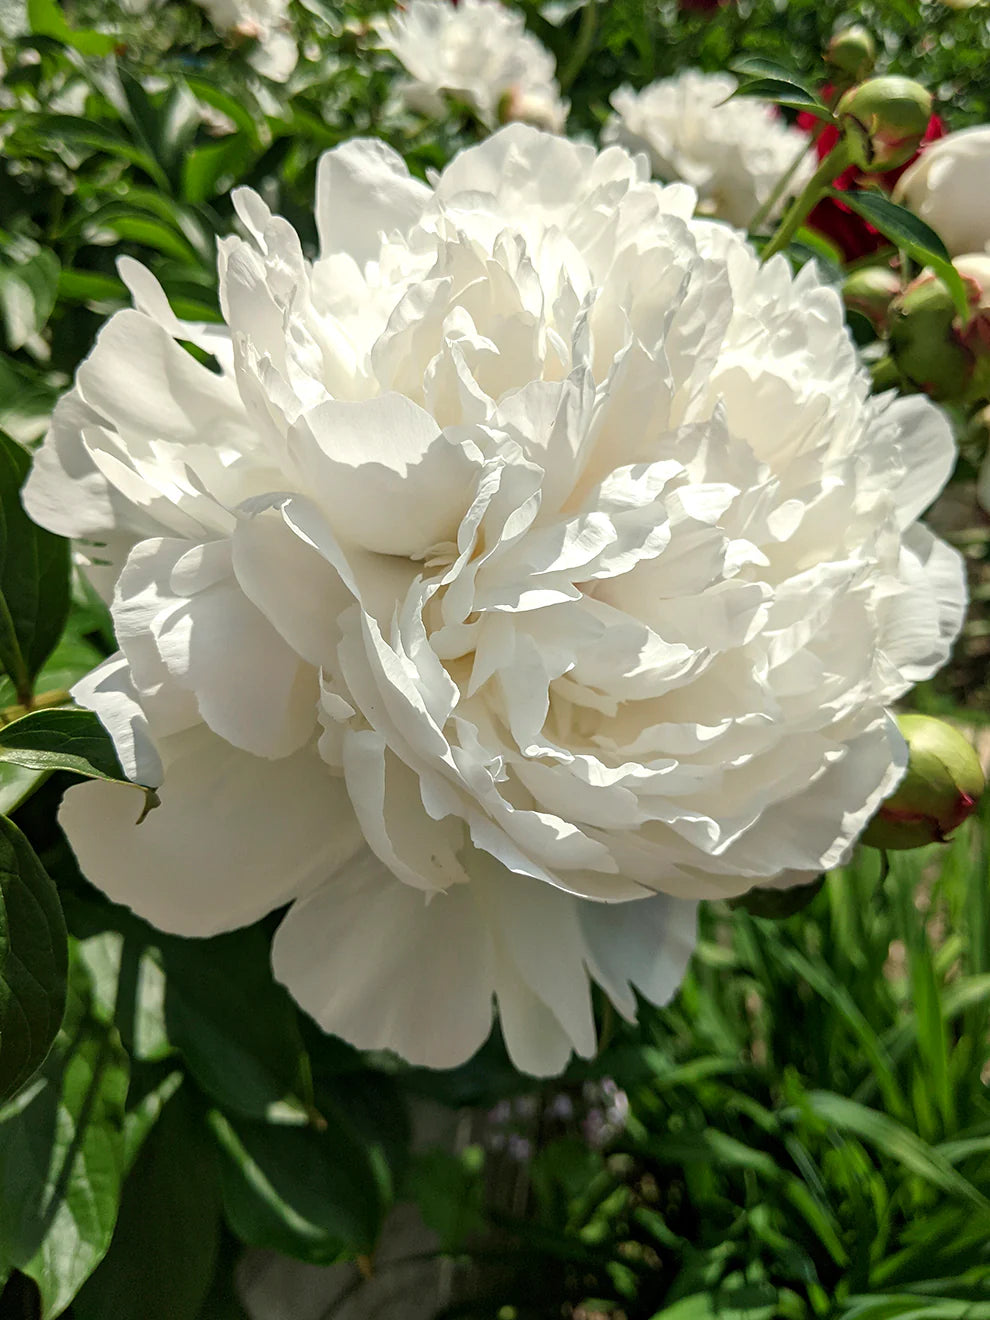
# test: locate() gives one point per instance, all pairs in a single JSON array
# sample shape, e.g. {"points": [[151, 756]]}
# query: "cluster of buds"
{"points": [[934, 348]]}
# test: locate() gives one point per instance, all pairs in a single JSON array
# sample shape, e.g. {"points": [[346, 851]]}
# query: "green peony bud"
{"points": [[778, 903], [942, 786], [883, 121], [852, 53], [932, 347], [870, 292]]}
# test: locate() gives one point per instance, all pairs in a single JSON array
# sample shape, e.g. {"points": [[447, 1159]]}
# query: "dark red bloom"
{"points": [[850, 233], [702, 6]]}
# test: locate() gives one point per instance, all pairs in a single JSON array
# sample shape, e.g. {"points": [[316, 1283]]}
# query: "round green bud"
{"points": [[933, 348], [941, 788], [870, 292], [852, 53], [883, 121]]}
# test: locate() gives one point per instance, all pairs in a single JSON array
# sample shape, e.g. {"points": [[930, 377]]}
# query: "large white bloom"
{"points": [[948, 187], [734, 153], [532, 564], [266, 22], [479, 51]]}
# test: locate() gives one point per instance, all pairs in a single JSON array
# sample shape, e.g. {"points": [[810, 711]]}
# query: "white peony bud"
{"points": [[948, 187]]}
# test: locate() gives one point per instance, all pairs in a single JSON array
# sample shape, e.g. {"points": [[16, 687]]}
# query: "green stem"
{"points": [[781, 184], [582, 45], [828, 170]]}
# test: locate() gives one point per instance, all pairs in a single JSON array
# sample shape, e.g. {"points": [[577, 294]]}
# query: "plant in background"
{"points": [[478, 52], [733, 152], [264, 25]]}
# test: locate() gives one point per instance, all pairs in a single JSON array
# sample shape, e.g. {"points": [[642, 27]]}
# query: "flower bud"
{"points": [[778, 903], [852, 52], [870, 292], [942, 786], [932, 347], [883, 121]]}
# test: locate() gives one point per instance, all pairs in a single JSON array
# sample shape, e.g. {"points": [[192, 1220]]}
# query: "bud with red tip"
{"points": [[942, 787], [883, 121], [933, 348]]}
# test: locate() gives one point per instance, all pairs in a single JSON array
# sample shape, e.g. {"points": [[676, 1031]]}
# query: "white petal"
{"points": [[645, 945], [363, 189], [235, 835]]}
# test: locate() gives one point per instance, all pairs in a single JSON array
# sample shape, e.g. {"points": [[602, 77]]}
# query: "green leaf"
{"points": [[61, 1157], [896, 1142], [27, 397], [913, 236], [253, 1062], [448, 1189], [32, 961], [34, 578], [779, 91], [72, 740], [161, 1260], [755, 66], [311, 1194], [28, 289], [47, 20]]}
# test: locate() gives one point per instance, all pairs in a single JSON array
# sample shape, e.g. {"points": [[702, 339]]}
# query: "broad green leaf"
{"points": [[448, 1190], [34, 578], [161, 1260], [756, 66], [312, 1194], [48, 20], [32, 961], [27, 397], [251, 1062], [28, 289], [780, 92], [73, 740], [913, 236], [62, 1157], [90, 286]]}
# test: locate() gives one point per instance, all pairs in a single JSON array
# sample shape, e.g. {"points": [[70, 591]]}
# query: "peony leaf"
{"points": [[253, 1063], [912, 235], [756, 66], [28, 286], [34, 578], [312, 1194], [62, 1157], [780, 91], [164, 1248], [68, 739], [32, 961], [47, 20]]}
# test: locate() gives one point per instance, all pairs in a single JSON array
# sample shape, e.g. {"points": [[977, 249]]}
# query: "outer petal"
{"points": [[377, 962], [235, 835], [645, 945]]}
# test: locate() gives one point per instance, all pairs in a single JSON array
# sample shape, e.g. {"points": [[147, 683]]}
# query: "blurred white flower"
{"points": [[734, 154], [478, 51], [533, 564], [948, 187], [274, 53]]}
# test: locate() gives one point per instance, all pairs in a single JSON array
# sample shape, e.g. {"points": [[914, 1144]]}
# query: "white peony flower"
{"points": [[266, 23], [532, 564], [948, 187], [479, 51], [734, 154]]}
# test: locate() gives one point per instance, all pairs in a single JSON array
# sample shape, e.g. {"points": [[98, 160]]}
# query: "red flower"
{"points": [[850, 233]]}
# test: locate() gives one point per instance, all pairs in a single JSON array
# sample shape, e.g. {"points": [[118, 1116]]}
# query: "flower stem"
{"points": [[582, 45], [828, 170], [783, 181]]}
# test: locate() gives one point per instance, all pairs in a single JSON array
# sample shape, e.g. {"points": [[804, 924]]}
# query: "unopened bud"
{"points": [[942, 787], [934, 349], [870, 292], [852, 52], [883, 121], [778, 903]]}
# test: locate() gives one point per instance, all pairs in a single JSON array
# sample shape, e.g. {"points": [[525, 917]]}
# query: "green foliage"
{"points": [[32, 961]]}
